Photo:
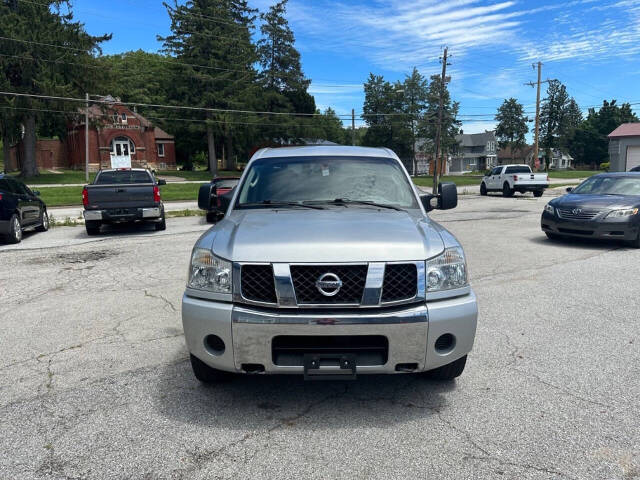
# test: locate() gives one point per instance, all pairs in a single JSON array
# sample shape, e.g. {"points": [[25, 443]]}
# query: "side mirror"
{"points": [[487, 173], [36, 193], [428, 202], [447, 196], [204, 196], [162, 182], [569, 189], [225, 200]]}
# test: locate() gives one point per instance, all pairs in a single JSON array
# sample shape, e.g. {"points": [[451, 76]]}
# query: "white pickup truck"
{"points": [[509, 179]]}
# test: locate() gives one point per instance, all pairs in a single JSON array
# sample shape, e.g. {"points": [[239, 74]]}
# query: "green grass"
{"points": [[573, 173], [72, 196], [459, 180], [65, 177], [196, 175]]}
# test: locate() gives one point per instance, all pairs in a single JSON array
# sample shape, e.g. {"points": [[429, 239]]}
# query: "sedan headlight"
{"points": [[208, 272], [625, 212], [447, 271], [549, 209]]}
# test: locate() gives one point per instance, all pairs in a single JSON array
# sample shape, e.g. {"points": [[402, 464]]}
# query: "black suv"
{"points": [[20, 209]]}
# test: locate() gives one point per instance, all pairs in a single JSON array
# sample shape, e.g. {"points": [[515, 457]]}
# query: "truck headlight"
{"points": [[447, 271], [625, 212], [549, 209], [208, 272]]}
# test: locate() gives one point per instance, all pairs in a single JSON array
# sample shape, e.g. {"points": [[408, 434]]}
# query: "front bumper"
{"points": [[248, 333], [529, 187], [123, 214], [622, 229]]}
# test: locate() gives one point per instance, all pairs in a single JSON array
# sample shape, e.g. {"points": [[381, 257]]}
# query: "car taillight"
{"points": [[0, 196], [156, 194], [515, 178], [85, 197]]}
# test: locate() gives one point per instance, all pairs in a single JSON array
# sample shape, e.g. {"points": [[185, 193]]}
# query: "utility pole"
{"points": [[536, 147], [443, 82], [86, 140], [353, 127]]}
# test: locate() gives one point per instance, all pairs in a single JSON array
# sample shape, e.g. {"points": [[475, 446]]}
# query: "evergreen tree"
{"points": [[416, 98], [34, 68], [214, 57], [429, 122], [512, 126]]}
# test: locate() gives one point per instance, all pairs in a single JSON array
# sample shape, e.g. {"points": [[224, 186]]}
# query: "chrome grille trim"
{"points": [[582, 214], [371, 297]]}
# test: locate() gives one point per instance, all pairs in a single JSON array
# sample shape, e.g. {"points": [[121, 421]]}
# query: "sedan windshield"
{"points": [[609, 186], [327, 179]]}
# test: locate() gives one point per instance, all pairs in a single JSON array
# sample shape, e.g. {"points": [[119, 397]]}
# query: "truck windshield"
{"points": [[609, 186], [325, 179], [123, 177], [524, 169]]}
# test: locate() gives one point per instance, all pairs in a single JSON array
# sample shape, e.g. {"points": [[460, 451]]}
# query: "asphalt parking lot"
{"points": [[95, 379]]}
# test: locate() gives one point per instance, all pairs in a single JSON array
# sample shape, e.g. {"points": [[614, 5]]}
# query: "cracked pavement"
{"points": [[95, 380]]}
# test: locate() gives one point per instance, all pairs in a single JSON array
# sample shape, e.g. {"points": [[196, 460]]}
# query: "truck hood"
{"points": [[596, 201], [334, 235]]}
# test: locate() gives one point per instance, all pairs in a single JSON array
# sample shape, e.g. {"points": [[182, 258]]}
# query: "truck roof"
{"points": [[324, 151], [124, 169]]}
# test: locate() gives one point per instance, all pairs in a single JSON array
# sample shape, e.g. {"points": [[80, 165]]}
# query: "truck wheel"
{"points": [[506, 190], [93, 227], [205, 373], [162, 224], [537, 193], [483, 189], [212, 217], [15, 230], [448, 371], [44, 222]]}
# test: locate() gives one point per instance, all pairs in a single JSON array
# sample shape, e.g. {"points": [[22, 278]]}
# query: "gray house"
{"points": [[476, 151], [624, 147]]}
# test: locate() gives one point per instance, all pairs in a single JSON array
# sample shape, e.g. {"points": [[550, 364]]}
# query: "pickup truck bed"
{"points": [[118, 196]]}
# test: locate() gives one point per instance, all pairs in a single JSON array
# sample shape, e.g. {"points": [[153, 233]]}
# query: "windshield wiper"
{"points": [[278, 203], [346, 201]]}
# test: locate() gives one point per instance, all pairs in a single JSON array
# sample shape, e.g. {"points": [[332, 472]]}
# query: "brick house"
{"points": [[114, 131]]}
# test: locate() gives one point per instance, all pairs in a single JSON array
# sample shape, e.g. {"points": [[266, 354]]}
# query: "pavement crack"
{"points": [[160, 297], [527, 466]]}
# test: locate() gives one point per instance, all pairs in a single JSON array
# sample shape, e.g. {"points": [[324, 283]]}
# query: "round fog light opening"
{"points": [[214, 345], [445, 343]]}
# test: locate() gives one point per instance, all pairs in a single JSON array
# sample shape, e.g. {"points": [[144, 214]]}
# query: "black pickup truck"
{"points": [[123, 196]]}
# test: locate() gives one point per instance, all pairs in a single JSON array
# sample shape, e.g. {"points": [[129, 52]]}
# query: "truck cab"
{"points": [[326, 264]]}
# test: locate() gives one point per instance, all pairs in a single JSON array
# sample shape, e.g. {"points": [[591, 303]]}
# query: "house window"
{"points": [[124, 117], [122, 146], [161, 149]]}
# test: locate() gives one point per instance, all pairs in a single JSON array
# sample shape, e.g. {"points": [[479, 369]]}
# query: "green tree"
{"points": [[416, 97], [588, 143], [214, 58], [330, 127], [559, 116], [429, 122], [512, 125], [35, 68]]}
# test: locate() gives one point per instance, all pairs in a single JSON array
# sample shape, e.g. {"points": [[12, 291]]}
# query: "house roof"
{"points": [[475, 139], [626, 130], [161, 134]]}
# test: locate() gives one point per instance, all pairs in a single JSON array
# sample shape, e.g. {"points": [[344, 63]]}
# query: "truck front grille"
{"points": [[257, 283], [369, 350], [305, 277], [400, 282]]}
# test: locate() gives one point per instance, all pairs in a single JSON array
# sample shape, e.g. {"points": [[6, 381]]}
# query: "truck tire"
{"points": [[483, 189], [537, 193], [44, 222], [212, 217], [15, 230], [449, 371], [205, 373], [93, 227], [506, 190], [162, 224]]}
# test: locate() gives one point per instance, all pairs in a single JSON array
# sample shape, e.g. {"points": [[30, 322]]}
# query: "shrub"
{"points": [[605, 166]]}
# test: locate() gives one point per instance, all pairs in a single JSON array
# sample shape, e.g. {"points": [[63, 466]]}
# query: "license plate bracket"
{"points": [[329, 366]]}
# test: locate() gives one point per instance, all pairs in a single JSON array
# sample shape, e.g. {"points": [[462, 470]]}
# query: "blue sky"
{"points": [[592, 46]]}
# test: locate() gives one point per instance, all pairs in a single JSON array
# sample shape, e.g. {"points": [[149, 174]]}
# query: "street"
{"points": [[96, 381]]}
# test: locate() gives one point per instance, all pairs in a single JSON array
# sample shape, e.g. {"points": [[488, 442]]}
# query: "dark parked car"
{"points": [[603, 206], [635, 169], [123, 196], [20, 209], [209, 196]]}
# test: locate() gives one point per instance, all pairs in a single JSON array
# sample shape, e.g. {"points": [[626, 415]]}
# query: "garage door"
{"points": [[633, 157]]}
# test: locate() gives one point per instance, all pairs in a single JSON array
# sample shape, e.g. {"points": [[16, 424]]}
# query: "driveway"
{"points": [[96, 381]]}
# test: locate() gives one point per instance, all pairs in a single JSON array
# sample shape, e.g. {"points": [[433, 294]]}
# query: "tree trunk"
{"points": [[6, 152], [29, 166], [211, 143], [230, 163]]}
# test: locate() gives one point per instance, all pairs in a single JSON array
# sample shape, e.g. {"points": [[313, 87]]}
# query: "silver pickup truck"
{"points": [[326, 264]]}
